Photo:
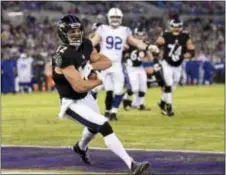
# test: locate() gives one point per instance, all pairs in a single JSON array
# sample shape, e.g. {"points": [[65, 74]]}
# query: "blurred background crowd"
{"points": [[28, 32]]}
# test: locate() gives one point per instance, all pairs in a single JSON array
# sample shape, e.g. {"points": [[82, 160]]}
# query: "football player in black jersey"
{"points": [[176, 45], [135, 74], [74, 63]]}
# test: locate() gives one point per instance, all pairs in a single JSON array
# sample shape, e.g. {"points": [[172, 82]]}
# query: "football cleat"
{"points": [[113, 116], [139, 167], [162, 108], [144, 108], [126, 105], [83, 154], [107, 114], [169, 110]]}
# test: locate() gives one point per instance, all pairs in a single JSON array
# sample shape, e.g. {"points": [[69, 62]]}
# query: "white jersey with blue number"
{"points": [[113, 41], [24, 70]]}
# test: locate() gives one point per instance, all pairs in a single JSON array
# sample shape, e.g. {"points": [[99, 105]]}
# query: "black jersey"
{"points": [[67, 55], [175, 47], [134, 55]]}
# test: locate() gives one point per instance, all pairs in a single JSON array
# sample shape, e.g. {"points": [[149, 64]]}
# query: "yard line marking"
{"points": [[24, 172], [130, 149]]}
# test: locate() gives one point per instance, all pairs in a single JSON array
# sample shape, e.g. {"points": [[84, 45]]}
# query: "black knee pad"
{"points": [[130, 92], [92, 131], [167, 89], [106, 129], [141, 94]]}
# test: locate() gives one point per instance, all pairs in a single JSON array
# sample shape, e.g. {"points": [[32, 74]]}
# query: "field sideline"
{"points": [[31, 119], [41, 159]]}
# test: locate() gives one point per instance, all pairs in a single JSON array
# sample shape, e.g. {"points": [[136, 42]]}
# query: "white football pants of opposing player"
{"points": [[138, 83], [114, 78]]}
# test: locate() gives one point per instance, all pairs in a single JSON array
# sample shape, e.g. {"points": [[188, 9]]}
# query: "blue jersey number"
{"points": [[114, 42]]}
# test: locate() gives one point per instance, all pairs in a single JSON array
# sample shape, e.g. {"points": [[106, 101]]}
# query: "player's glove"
{"points": [[86, 70], [153, 48], [157, 67], [129, 63]]}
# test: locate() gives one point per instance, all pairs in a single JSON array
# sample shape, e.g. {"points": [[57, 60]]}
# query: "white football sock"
{"points": [[125, 97], [135, 101], [141, 100], [114, 110], [168, 98], [87, 136], [114, 144], [163, 97]]}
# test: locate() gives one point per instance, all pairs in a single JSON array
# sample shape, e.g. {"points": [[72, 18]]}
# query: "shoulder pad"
{"points": [[166, 32]]}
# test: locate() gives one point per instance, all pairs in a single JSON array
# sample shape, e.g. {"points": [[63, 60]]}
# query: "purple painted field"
{"points": [[106, 161]]}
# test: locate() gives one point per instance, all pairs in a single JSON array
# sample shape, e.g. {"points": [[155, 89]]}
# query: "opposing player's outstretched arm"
{"points": [[141, 45], [77, 83], [96, 39], [99, 61], [160, 40]]}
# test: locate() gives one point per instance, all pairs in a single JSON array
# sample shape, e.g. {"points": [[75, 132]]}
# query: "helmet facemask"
{"points": [[75, 36], [115, 21], [139, 33], [176, 28]]}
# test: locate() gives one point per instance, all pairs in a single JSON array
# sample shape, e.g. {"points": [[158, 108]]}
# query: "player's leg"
{"points": [[127, 96], [21, 87], [134, 85], [177, 71], [108, 86], [127, 102], [96, 90], [118, 84], [87, 116], [166, 100], [142, 89]]}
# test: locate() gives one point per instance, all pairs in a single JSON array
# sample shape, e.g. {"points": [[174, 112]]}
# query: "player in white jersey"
{"points": [[112, 39], [24, 71]]}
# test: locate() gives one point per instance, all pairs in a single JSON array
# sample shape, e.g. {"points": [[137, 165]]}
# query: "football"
{"points": [[92, 76]]}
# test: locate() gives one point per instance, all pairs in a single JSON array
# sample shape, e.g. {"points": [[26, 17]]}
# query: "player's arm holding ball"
{"points": [[99, 61], [74, 76]]}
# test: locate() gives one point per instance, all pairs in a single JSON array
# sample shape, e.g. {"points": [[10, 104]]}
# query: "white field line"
{"points": [[130, 149], [24, 172], [38, 172]]}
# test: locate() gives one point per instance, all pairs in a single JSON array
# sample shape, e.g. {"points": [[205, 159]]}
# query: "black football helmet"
{"points": [[70, 30], [176, 25], [95, 26], [139, 32]]}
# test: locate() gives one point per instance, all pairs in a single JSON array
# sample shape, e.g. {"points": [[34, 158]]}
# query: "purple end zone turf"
{"points": [[106, 161]]}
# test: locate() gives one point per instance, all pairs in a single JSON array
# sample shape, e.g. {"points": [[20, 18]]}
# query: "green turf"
{"points": [[197, 125]]}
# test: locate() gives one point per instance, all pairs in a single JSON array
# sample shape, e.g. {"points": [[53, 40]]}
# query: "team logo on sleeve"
{"points": [[57, 59]]}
